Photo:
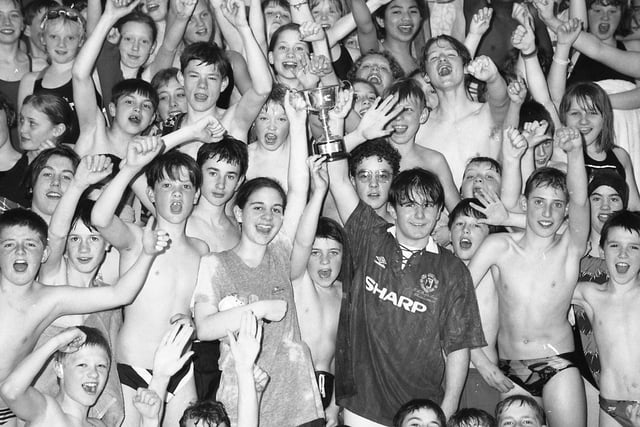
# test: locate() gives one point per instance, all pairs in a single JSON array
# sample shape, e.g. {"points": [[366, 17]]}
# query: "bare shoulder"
{"points": [[199, 245], [622, 155]]}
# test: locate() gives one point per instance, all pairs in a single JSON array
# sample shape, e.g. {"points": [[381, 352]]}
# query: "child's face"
{"points": [[604, 202], [406, 124], [35, 128], [622, 254], [52, 183], [203, 84], [402, 20], [363, 98], [84, 374], [136, 44], [172, 99], [518, 415], [85, 248], [133, 113], [286, 52], [174, 198], [262, 216], [200, 423], [467, 234], [200, 26], [325, 13], [587, 119], [444, 65], [325, 261], [604, 20], [275, 16], [480, 176], [415, 219], [63, 40], [546, 210], [12, 22], [372, 181], [272, 126], [220, 180], [376, 70], [35, 30], [156, 9], [542, 152], [422, 417], [21, 254]]}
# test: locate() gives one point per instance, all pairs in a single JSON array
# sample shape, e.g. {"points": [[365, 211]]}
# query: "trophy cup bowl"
{"points": [[321, 100]]}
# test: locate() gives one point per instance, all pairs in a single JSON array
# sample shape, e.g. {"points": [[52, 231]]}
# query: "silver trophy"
{"points": [[321, 100]]}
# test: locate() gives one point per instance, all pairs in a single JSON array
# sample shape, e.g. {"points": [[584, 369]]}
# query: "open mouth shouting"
{"points": [[406, 29], [90, 388], [270, 138], [20, 265], [53, 195], [604, 28], [465, 243], [545, 223], [135, 119], [290, 65], [325, 273], [444, 69], [603, 217], [264, 228], [622, 267], [176, 207]]}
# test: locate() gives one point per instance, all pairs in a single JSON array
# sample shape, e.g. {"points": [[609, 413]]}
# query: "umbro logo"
{"points": [[380, 261]]}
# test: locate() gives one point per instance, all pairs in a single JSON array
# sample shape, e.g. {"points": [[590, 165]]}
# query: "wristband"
{"points": [[561, 61], [529, 55]]}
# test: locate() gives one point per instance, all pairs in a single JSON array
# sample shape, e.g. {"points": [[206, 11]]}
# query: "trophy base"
{"points": [[333, 150]]}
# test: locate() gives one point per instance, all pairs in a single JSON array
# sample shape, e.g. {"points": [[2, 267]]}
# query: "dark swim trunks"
{"points": [[6, 415], [134, 377], [325, 384], [617, 409], [533, 374]]}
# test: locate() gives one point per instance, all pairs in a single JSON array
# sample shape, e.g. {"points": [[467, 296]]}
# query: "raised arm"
{"points": [[305, 235], [298, 174], [27, 403], [484, 69], [514, 146], [557, 78], [367, 34], [91, 170], [570, 141], [479, 25], [256, 22], [139, 153], [627, 62], [249, 106]]}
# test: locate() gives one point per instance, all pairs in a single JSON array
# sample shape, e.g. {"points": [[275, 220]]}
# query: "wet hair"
{"points": [[460, 48], [36, 6], [493, 163], [39, 163], [340, 6], [134, 86], [534, 111], [206, 413], [94, 338], [520, 400], [83, 214], [379, 147], [628, 220], [56, 109], [363, 81], [282, 3], [9, 110], [416, 182], [464, 208], [228, 149], [208, 54], [415, 405], [624, 27], [471, 417], [163, 77], [139, 17], [547, 177], [291, 26], [170, 164], [592, 98], [20, 217], [396, 69], [251, 186], [406, 88], [276, 97]]}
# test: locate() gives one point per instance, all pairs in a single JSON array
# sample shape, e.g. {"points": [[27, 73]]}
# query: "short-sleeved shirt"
{"points": [[291, 397], [400, 320]]}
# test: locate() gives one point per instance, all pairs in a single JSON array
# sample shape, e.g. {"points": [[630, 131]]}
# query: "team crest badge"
{"points": [[429, 282]]}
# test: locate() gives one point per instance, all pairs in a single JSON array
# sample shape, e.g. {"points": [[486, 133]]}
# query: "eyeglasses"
{"points": [[62, 13], [365, 176]]}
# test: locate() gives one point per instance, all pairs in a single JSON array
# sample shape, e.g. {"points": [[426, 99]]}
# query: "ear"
{"points": [[424, 115], [225, 83], [57, 367], [180, 78], [392, 211], [59, 129], [239, 183], [153, 48], [196, 197], [353, 181], [112, 109], [45, 254], [270, 57], [150, 194], [380, 21], [237, 213], [27, 31], [523, 203]]}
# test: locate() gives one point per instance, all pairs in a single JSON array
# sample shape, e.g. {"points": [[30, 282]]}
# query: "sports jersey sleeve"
{"points": [[360, 227], [461, 326]]}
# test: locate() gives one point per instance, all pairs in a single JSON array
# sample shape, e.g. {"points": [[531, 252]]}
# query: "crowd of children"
{"points": [[176, 251]]}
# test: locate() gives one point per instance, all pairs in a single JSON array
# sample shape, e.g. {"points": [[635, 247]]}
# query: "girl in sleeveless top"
{"points": [[45, 121], [63, 35], [586, 106]]}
